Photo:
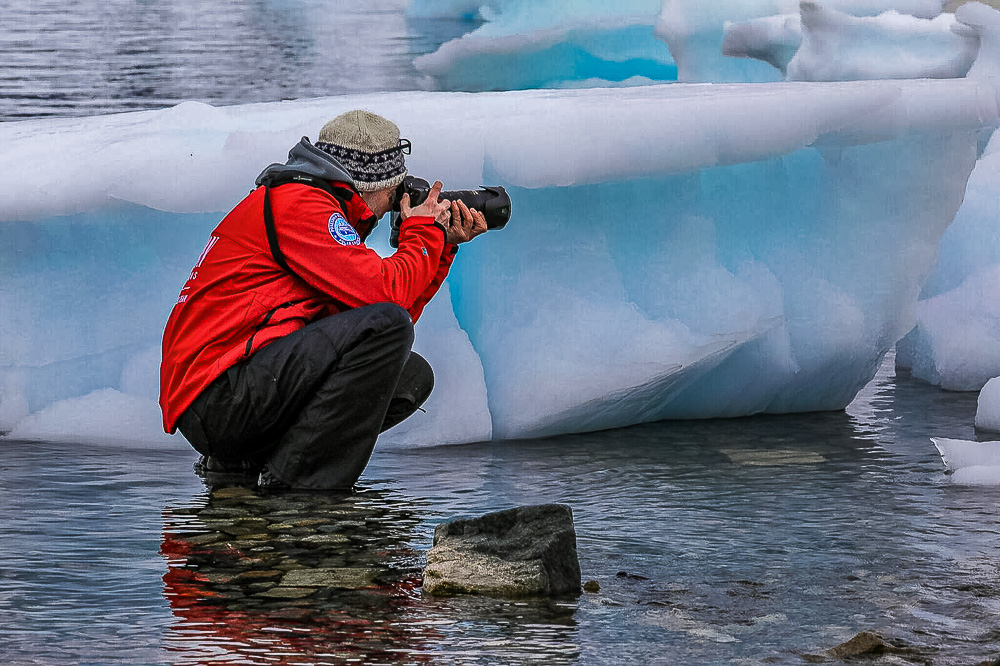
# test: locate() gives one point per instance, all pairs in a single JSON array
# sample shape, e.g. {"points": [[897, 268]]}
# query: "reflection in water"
{"points": [[758, 540], [323, 578]]}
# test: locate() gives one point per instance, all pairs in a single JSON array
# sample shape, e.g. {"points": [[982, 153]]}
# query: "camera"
{"points": [[492, 202]]}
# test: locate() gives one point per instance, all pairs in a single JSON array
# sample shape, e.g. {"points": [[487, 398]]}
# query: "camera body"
{"points": [[492, 202]]}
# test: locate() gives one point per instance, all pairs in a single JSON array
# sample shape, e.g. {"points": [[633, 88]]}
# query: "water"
{"points": [[93, 57], [760, 540]]}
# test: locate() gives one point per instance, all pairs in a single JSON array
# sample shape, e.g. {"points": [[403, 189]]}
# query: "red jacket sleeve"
{"points": [[447, 257], [331, 259]]}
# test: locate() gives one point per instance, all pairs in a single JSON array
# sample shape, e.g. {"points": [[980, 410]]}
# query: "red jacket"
{"points": [[238, 299]]}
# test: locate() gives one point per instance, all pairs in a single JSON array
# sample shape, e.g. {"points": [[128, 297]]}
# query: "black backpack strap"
{"points": [[342, 194], [272, 233]]}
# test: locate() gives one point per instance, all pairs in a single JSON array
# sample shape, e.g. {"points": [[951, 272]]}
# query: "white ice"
{"points": [[771, 39], [823, 44], [971, 463], [957, 338], [519, 44], [956, 343], [675, 251], [695, 32], [988, 408], [557, 43]]}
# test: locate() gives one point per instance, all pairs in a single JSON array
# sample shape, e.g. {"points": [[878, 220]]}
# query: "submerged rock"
{"points": [[867, 644], [522, 552], [339, 577]]}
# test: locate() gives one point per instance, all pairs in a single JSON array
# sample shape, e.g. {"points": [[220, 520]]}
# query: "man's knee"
{"points": [[390, 316], [414, 387], [417, 380]]}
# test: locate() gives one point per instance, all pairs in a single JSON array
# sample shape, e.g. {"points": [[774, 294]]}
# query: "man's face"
{"points": [[379, 201]]}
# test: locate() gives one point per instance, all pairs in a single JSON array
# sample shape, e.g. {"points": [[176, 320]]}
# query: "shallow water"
{"points": [[758, 540]]}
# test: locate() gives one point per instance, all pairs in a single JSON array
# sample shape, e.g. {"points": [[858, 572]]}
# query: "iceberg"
{"points": [[957, 337], [527, 44], [697, 34], [988, 407], [676, 251], [522, 44], [822, 44]]}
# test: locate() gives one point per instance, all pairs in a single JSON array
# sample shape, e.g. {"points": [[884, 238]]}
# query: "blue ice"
{"points": [[676, 251]]}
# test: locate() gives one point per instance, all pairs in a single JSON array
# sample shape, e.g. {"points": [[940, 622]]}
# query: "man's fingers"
{"points": [[479, 222], [435, 192], [467, 220]]}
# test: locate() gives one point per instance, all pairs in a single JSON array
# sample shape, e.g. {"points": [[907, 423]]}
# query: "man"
{"points": [[288, 350]]}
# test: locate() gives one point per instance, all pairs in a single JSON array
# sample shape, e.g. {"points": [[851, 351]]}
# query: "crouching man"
{"points": [[288, 350]]}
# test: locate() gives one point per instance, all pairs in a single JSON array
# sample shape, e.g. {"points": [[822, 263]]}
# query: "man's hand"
{"points": [[461, 224], [464, 224], [431, 207]]}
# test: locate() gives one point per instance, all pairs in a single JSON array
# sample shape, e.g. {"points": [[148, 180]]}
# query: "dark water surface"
{"points": [[91, 57], [759, 540]]}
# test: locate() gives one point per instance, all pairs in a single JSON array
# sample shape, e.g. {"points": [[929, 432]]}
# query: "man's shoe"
{"points": [[216, 471], [268, 480]]}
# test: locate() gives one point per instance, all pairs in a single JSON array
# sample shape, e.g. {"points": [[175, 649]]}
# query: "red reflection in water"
{"points": [[222, 618]]}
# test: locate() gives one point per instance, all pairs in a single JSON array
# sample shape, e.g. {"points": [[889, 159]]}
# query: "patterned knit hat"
{"points": [[368, 146]]}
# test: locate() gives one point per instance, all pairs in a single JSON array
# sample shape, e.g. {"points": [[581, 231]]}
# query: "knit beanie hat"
{"points": [[368, 146]]}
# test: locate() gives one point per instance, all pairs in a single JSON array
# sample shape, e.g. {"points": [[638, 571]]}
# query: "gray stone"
{"points": [[287, 592], [232, 491], [863, 643], [324, 539], [522, 552], [340, 577]]}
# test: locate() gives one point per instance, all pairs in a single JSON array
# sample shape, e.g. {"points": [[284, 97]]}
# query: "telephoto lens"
{"points": [[492, 202]]}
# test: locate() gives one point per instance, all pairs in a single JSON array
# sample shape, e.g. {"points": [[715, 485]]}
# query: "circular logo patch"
{"points": [[343, 232]]}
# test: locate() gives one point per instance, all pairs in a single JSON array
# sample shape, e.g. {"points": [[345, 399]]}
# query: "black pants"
{"points": [[310, 405]]}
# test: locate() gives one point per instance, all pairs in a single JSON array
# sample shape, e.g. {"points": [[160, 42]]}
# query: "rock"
{"points": [[864, 643], [630, 576], [341, 577], [591, 586], [201, 539], [522, 552], [287, 592], [258, 574], [324, 539], [230, 492]]}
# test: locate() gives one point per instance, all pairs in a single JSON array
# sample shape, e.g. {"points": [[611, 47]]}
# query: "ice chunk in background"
{"points": [[822, 44], [971, 463], [676, 251], [558, 43], [456, 9], [771, 39], [840, 47], [983, 21], [988, 409], [695, 32]]}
